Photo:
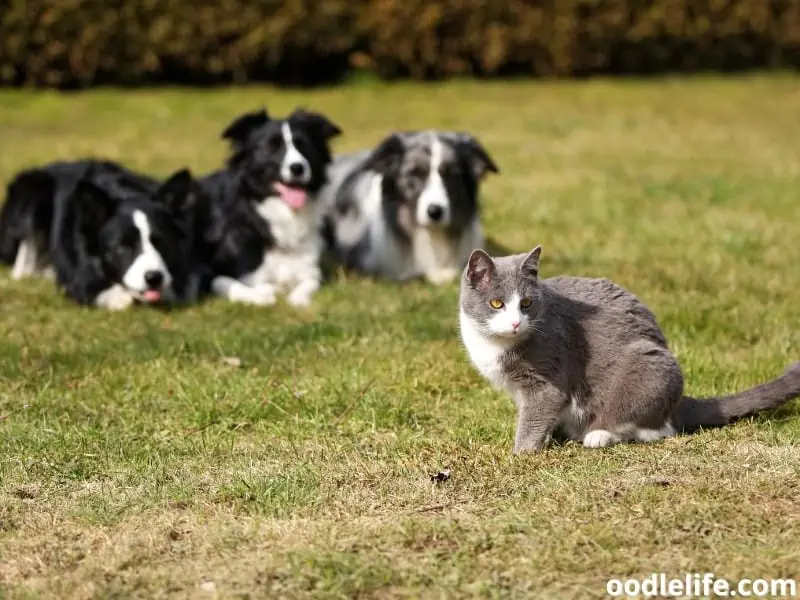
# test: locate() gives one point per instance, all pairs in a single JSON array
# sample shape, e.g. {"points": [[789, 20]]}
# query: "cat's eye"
{"points": [[525, 302], [496, 303]]}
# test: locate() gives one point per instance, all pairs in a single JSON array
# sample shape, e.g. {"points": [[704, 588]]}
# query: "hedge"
{"points": [[76, 43]]}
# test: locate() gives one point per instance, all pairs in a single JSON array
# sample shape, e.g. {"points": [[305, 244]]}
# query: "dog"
{"points": [[112, 237], [410, 207], [26, 217], [263, 224]]}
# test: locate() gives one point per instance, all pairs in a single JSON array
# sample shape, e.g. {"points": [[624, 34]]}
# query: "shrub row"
{"points": [[69, 43]]}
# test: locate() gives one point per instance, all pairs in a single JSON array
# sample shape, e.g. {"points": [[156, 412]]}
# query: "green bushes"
{"points": [[82, 42]]}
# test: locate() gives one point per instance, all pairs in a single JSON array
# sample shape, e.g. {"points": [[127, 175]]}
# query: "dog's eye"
{"points": [[496, 303], [525, 302], [274, 142], [418, 173]]}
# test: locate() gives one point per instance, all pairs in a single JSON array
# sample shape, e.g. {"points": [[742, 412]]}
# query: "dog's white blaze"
{"points": [[435, 193], [292, 156], [149, 259], [501, 323]]}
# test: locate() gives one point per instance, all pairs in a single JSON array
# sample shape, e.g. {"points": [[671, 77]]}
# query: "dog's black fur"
{"points": [[33, 194], [81, 216], [236, 236], [428, 219]]}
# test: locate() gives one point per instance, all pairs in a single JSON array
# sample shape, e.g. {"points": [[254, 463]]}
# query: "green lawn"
{"points": [[136, 463]]}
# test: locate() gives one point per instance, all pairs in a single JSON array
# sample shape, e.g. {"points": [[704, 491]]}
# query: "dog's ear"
{"points": [[239, 130], [94, 205], [319, 125], [480, 270], [386, 158], [179, 192], [476, 155]]}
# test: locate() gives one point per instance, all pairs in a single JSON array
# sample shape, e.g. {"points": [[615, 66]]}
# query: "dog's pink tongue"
{"points": [[294, 197], [152, 295]]}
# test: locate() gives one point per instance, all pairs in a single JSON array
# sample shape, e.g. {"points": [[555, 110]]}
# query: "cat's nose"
{"points": [[514, 325]]}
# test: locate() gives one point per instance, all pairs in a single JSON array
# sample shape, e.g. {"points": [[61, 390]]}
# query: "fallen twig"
{"points": [[13, 412]]}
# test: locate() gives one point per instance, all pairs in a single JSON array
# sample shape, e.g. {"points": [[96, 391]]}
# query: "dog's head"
{"points": [[142, 241], [281, 157], [435, 175]]}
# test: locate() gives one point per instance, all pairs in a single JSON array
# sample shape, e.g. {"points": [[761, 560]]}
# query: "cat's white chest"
{"points": [[485, 353]]}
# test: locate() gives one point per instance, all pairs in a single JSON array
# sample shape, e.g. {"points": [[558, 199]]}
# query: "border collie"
{"points": [[112, 237], [263, 234], [410, 207], [26, 218]]}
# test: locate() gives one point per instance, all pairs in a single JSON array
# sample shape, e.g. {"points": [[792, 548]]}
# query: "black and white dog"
{"points": [[26, 217], [112, 237], [410, 207], [263, 234]]}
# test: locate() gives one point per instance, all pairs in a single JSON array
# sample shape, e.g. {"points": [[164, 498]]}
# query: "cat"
{"points": [[585, 359]]}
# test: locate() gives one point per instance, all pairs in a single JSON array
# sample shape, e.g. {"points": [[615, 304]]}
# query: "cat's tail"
{"points": [[693, 413]]}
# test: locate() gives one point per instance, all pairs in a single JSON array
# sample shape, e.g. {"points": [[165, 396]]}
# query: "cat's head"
{"points": [[501, 297]]}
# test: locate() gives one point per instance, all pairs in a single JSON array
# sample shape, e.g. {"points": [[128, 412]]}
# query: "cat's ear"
{"points": [[480, 269], [530, 264]]}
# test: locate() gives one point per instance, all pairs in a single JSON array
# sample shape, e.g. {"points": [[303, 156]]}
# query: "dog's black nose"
{"points": [[435, 212], [154, 279], [297, 169]]}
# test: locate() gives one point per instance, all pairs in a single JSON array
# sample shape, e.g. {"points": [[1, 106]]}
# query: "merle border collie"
{"points": [[409, 208], [263, 234], [112, 237]]}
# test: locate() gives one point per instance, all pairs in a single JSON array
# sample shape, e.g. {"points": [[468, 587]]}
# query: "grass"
{"points": [[136, 463]]}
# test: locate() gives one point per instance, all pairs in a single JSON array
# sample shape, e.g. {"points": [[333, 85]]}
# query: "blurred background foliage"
{"points": [[79, 43]]}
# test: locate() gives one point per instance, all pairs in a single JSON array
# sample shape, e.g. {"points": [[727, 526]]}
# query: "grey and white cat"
{"points": [[585, 358]]}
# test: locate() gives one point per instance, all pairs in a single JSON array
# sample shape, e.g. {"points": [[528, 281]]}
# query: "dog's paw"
{"points": [[300, 298], [441, 276], [114, 298], [260, 295]]}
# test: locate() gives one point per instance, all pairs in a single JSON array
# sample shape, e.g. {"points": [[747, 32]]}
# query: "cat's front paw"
{"points": [[528, 448], [441, 276], [599, 438]]}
